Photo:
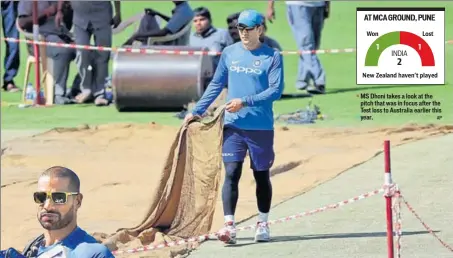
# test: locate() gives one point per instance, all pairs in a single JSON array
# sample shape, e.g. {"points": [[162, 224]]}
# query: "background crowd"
{"points": [[81, 21]]}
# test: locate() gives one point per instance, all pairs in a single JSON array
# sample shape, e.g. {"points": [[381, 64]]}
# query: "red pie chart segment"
{"points": [[419, 45]]}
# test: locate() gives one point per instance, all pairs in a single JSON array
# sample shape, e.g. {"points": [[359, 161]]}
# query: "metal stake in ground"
{"points": [[36, 52], [388, 199]]}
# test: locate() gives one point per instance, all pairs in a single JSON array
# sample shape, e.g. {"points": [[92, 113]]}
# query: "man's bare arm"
{"points": [[270, 3], [154, 12], [270, 14], [60, 5]]}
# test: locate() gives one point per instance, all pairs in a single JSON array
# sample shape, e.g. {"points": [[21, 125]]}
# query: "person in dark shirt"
{"points": [[12, 49], [92, 19], [61, 58], [182, 14]]}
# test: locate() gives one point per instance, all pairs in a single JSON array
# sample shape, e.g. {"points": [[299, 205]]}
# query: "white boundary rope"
{"points": [[172, 52], [250, 227]]}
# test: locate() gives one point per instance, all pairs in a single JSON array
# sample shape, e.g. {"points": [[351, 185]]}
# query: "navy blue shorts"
{"points": [[259, 144]]}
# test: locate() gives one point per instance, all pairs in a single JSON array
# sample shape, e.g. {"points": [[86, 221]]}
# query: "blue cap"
{"points": [[250, 18]]}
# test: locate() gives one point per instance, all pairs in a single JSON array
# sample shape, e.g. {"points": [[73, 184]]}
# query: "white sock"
{"points": [[229, 218], [263, 217]]}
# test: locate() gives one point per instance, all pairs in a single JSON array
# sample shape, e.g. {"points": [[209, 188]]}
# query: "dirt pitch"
{"points": [[117, 165]]}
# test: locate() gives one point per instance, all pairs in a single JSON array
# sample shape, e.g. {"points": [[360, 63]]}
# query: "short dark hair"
{"points": [[63, 172], [202, 11], [232, 18]]}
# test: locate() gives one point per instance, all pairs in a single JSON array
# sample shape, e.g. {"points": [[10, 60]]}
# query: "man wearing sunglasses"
{"points": [[58, 199], [254, 74]]}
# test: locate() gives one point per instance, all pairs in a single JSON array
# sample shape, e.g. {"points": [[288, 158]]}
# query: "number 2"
{"points": [[399, 61]]}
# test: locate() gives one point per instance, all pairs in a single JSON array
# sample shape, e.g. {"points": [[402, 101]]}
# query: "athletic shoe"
{"points": [[10, 87], [228, 233], [101, 101], [317, 89], [262, 232], [84, 97]]}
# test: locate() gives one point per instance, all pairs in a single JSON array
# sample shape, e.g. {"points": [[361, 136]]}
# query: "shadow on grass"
{"points": [[276, 239], [295, 95], [149, 110]]}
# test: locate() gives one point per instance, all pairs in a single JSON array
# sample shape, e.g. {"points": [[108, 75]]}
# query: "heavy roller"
{"points": [[159, 81]]}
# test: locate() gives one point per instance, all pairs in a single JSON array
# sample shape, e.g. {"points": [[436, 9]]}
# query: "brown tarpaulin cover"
{"points": [[183, 204]]}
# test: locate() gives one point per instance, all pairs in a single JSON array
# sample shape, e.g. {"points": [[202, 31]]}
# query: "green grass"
{"points": [[341, 104]]}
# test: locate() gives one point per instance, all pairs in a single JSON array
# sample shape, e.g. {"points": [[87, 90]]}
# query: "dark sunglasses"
{"points": [[56, 197], [242, 28]]}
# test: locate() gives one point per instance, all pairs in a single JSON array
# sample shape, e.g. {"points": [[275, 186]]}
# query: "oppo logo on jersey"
{"points": [[241, 69]]}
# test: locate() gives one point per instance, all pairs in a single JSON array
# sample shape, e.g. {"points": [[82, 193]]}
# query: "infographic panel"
{"points": [[400, 46]]}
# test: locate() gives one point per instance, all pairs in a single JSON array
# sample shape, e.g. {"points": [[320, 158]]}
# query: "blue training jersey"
{"points": [[256, 77], [80, 244]]}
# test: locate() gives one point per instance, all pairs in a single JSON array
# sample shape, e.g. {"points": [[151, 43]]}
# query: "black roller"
{"points": [[159, 82]]}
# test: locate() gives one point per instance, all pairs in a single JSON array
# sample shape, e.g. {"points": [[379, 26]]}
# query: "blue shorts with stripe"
{"points": [[259, 144]]}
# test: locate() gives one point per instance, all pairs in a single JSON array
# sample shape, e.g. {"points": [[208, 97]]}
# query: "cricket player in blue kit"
{"points": [[254, 75]]}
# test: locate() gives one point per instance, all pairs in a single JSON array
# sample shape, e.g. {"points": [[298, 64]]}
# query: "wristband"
{"points": [[245, 101]]}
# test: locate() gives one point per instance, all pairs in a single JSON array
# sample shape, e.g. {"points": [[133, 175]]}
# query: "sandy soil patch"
{"points": [[118, 164]]}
